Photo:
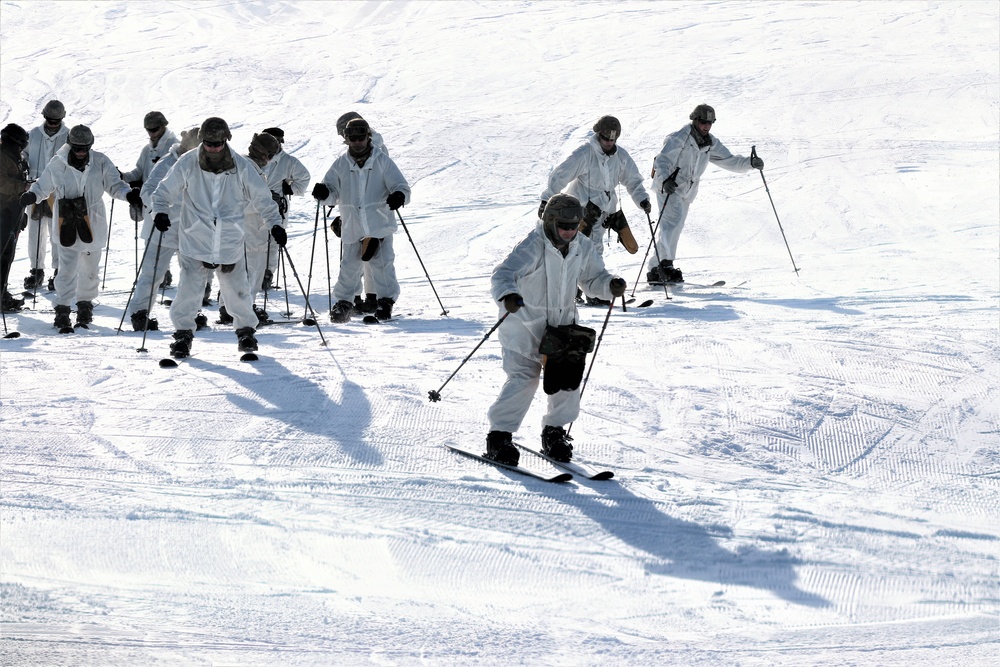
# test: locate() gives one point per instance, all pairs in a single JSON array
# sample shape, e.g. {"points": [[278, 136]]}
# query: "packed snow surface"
{"points": [[807, 465]]}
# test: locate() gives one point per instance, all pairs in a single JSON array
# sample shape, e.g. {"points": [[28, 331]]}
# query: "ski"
{"points": [[575, 468], [249, 356], [719, 283], [558, 478]]}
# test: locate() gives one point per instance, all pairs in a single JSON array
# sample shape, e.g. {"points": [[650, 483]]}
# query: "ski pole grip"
{"points": [[753, 152]]}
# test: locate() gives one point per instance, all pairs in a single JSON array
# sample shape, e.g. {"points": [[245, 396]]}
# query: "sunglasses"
{"points": [[52, 121], [607, 140], [213, 144], [76, 148], [152, 130], [356, 136], [701, 121]]}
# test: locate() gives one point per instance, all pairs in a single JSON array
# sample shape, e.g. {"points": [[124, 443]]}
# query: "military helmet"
{"points": [[345, 119], [154, 119], [264, 146], [54, 109], [609, 127], [704, 113], [356, 127], [276, 132], [15, 135], [80, 135], [561, 210]]}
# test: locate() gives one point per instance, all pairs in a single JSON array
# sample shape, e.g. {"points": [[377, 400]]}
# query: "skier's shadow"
{"points": [[681, 548], [300, 403]]}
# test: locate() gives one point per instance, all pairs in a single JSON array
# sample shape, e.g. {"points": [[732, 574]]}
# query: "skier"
{"points": [[43, 142], [13, 183], [161, 140], [167, 243], [367, 304], [286, 176], [368, 186], [213, 187], [677, 171], [536, 284], [78, 177], [258, 236], [592, 173]]}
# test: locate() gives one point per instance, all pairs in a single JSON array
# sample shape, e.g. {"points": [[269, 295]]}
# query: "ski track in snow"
{"points": [[807, 469]]}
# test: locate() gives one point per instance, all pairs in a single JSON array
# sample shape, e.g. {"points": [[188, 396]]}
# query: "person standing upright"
{"points": [[286, 176], [213, 188], [78, 177], [677, 172], [13, 183], [43, 142]]}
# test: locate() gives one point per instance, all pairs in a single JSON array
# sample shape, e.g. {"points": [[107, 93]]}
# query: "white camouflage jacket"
{"points": [[681, 149], [149, 156], [591, 175], [65, 182], [547, 283], [213, 207], [41, 148], [360, 192]]}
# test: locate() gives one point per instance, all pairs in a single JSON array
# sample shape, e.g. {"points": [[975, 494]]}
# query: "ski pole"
{"points": [[326, 243], [38, 251], [152, 294], [753, 154], [134, 283], [305, 294], [443, 311], [284, 282], [111, 218], [312, 253], [593, 358], [652, 240], [435, 396]]}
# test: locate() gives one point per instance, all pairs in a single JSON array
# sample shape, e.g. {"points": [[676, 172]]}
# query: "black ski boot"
{"points": [[370, 303], [11, 304], [341, 312], [168, 280], [62, 320], [669, 273], [200, 322], [500, 448], [653, 276], [224, 316], [246, 340], [84, 313], [181, 347], [265, 284], [555, 444], [35, 279], [383, 311], [594, 301], [206, 300], [142, 322], [52, 281], [262, 316]]}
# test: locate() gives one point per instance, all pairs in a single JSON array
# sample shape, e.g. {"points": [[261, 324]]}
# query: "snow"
{"points": [[807, 466]]}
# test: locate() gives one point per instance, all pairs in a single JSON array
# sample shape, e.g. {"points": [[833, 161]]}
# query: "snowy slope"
{"points": [[807, 466]]}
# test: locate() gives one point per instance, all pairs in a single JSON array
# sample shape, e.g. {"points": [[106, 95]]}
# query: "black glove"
{"points": [[280, 237], [617, 287], [513, 302], [161, 221], [756, 162], [320, 191], [281, 202], [541, 209], [669, 186], [286, 189], [395, 200], [337, 226], [133, 198], [645, 205], [591, 214], [27, 199]]}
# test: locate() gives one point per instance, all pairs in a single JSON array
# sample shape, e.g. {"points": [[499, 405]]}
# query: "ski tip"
{"points": [[309, 322], [249, 356], [67, 330], [646, 304], [561, 478], [13, 334], [168, 363], [370, 319], [604, 474]]}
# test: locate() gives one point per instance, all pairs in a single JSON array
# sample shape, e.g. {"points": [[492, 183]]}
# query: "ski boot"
{"points": [[84, 313], [669, 273], [142, 322], [341, 312], [594, 301], [35, 279], [11, 304], [262, 316], [52, 281], [500, 448], [206, 300], [62, 320], [181, 347], [246, 341], [200, 322], [383, 311], [265, 284], [556, 444], [224, 316], [168, 280]]}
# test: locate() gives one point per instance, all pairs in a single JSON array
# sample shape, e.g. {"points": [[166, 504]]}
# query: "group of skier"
{"points": [[224, 215]]}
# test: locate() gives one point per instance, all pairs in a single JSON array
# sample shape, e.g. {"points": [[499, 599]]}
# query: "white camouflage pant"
{"points": [[671, 224], [79, 275], [383, 272], [517, 393], [191, 290], [38, 237]]}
